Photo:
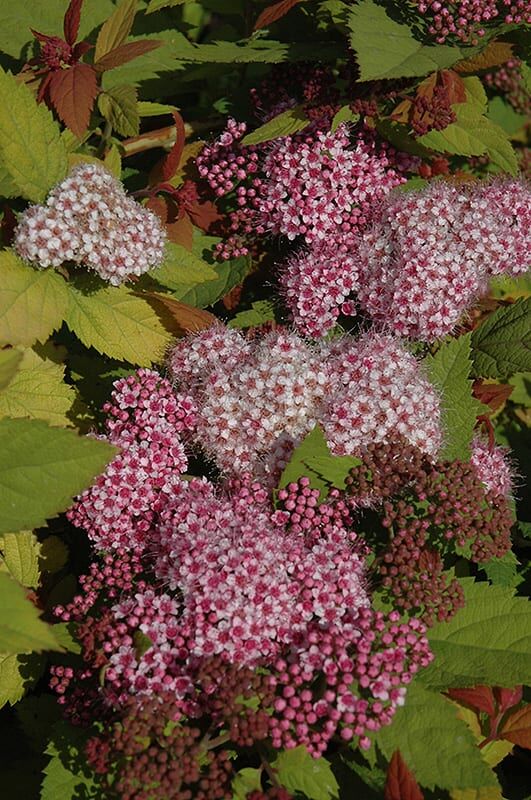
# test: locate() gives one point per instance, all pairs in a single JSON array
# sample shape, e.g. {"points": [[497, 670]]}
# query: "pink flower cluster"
{"points": [[320, 188], [89, 219], [492, 466], [430, 254], [257, 398], [144, 419], [465, 19]]}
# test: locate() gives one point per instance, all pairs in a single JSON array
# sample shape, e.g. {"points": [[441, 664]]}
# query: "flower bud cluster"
{"points": [[89, 219], [467, 19]]}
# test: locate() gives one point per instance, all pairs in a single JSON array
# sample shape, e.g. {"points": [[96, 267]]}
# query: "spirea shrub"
{"points": [[264, 378]]}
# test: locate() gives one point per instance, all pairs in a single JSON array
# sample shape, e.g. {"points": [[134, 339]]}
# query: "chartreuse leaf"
{"points": [[38, 391], [66, 776], [472, 134], [42, 469], [449, 370], [436, 745], [260, 312], [245, 781], [9, 363], [501, 346], [148, 109], [297, 771], [31, 148], [18, 673], [32, 302], [487, 642], [156, 5], [476, 95], [345, 114], [115, 29], [386, 49], [181, 269], [116, 322], [504, 115], [284, 124], [21, 628], [314, 444], [503, 571], [119, 106], [229, 274], [20, 557]]}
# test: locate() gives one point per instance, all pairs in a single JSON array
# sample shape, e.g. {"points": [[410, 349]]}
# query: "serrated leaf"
{"points": [[260, 312], [501, 346], [313, 445], [156, 5], [113, 161], [386, 49], [116, 322], [487, 642], [20, 555], [72, 92], [148, 109], [449, 371], [126, 52], [521, 394], [9, 363], [116, 29], [472, 135], [182, 269], [119, 106], [517, 727], [18, 673], [31, 148], [437, 746], [229, 274], [21, 628], [67, 776], [297, 771], [64, 633], [274, 12], [504, 115], [475, 93], [187, 318], [401, 783], [345, 114], [291, 121], [32, 302], [334, 470], [245, 781], [42, 469], [503, 571], [494, 53], [38, 391]]}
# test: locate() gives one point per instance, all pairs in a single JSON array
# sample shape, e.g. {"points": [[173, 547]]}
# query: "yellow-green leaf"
{"points": [[182, 269], [119, 106], [32, 302], [9, 363], [21, 628], [148, 109], [113, 161], [53, 554], [116, 29], [284, 124], [20, 557], [31, 147], [117, 323], [38, 391], [18, 673]]}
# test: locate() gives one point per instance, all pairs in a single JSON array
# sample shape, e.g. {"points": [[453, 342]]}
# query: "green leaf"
{"points": [[147, 109], [503, 571], [297, 771], [521, 394], [21, 628], [142, 643], [449, 371], [116, 322], [260, 312], [291, 121], [31, 148], [314, 444], [42, 469], [437, 746], [246, 781], [119, 106], [20, 556], [229, 274], [501, 346], [473, 135], [67, 776], [386, 49], [9, 363], [115, 30], [334, 470], [38, 391], [18, 673], [156, 5], [32, 302], [487, 642], [181, 269], [504, 115], [343, 115], [475, 94], [19, 18], [64, 633]]}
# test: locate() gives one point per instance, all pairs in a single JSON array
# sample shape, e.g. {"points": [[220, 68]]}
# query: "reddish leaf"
{"points": [[507, 698], [232, 299], [203, 215], [494, 54], [274, 12], [126, 52], [170, 165], [114, 31], [187, 318], [427, 86], [517, 727], [402, 111], [80, 49], [159, 207], [181, 231], [480, 698], [72, 20], [72, 92], [454, 86], [401, 783], [493, 395]]}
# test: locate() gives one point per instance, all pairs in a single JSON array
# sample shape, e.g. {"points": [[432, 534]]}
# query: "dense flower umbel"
{"points": [[144, 419], [466, 19], [431, 253], [89, 219], [255, 399], [509, 80]]}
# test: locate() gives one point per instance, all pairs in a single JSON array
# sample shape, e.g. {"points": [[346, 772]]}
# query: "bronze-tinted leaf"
{"points": [[126, 52], [116, 29], [170, 165], [72, 20], [72, 92], [494, 54], [187, 318], [401, 783], [479, 698], [274, 12], [507, 698], [517, 727]]}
